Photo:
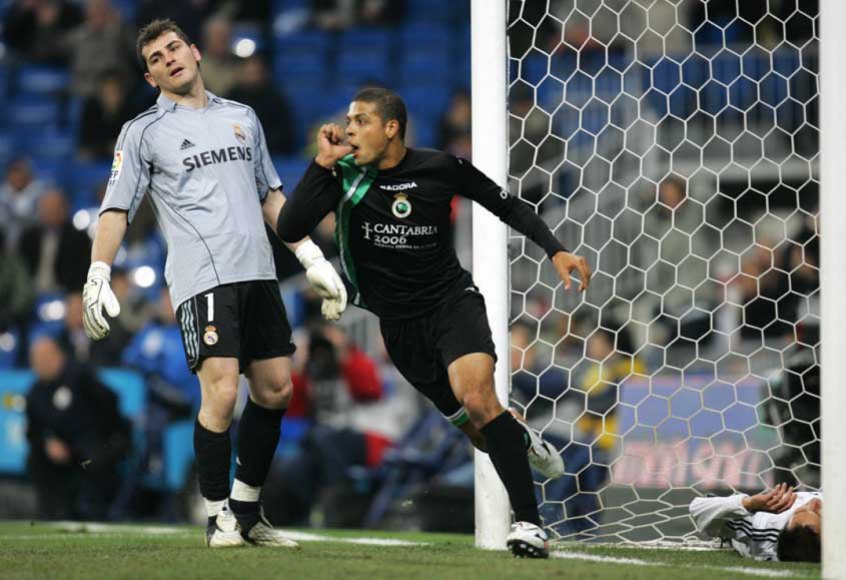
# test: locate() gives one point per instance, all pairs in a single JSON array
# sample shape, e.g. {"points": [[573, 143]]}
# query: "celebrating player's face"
{"points": [[171, 64], [367, 134]]}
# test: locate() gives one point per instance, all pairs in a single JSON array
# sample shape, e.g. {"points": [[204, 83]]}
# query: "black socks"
{"points": [[507, 443], [258, 436], [213, 452]]}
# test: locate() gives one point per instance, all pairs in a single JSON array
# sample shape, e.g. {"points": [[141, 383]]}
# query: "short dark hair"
{"points": [[154, 30], [799, 544], [389, 105]]}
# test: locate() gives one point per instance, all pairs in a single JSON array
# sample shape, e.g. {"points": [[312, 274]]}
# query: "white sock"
{"points": [[243, 492], [213, 507]]}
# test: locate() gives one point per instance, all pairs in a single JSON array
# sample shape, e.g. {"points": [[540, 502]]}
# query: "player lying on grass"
{"points": [[392, 206], [780, 524]]}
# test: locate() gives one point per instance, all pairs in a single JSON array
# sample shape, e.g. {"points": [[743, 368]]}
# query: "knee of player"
{"points": [[275, 395], [482, 406]]}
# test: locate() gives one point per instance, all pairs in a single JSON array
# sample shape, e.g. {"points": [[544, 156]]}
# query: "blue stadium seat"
{"points": [[50, 145], [431, 10], [33, 113], [9, 347], [86, 177], [434, 66], [424, 35], [364, 55], [8, 149], [44, 80], [290, 170], [14, 385], [301, 56]]}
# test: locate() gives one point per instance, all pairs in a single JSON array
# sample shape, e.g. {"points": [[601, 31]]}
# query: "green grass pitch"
{"points": [[70, 552]]}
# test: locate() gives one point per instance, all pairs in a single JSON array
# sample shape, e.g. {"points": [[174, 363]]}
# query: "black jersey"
{"points": [[394, 228]]}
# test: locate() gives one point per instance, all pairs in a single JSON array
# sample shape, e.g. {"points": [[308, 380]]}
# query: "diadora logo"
{"points": [[399, 186]]}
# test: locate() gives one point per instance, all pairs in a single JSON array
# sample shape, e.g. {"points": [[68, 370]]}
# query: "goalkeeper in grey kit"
{"points": [[205, 164], [392, 206]]}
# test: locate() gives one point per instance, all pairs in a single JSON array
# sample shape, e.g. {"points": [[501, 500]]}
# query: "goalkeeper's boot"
{"points": [[224, 531], [256, 530], [527, 541], [543, 457]]}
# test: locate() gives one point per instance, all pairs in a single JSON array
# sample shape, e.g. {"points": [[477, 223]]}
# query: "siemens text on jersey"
{"points": [[221, 155]]}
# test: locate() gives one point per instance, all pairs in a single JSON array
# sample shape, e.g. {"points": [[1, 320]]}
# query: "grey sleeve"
{"points": [[130, 176], [266, 176]]}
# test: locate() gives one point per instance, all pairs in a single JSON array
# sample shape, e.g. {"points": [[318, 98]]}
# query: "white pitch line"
{"points": [[637, 562], [80, 530]]}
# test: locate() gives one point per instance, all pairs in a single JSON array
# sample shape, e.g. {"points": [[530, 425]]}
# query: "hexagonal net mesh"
{"points": [[674, 144]]}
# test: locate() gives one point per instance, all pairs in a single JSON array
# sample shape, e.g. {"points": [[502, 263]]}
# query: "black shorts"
{"points": [[244, 320], [422, 348]]}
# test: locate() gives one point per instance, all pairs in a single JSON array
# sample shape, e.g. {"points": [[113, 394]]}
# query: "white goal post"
{"points": [[833, 218], [676, 144]]}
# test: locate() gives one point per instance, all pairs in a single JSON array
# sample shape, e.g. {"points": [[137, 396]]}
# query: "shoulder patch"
{"points": [[117, 164]]}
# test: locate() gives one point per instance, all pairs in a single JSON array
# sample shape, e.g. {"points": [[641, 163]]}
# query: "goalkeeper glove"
{"points": [[96, 295], [324, 279]]}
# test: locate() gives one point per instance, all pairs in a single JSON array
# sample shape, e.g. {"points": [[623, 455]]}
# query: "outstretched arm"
{"points": [[320, 273], [519, 215]]}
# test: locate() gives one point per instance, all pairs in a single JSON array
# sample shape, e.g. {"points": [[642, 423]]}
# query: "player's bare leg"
{"points": [[213, 448], [258, 435], [472, 380]]}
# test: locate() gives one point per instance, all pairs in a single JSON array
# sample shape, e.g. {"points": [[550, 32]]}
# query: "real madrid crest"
{"points": [[210, 336], [401, 207], [239, 134]]}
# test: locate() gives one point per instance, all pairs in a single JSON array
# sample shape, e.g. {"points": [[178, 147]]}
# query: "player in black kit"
{"points": [[392, 207]]}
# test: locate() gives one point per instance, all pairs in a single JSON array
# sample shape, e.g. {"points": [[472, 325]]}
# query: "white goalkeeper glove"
{"points": [[324, 279], [97, 295]]}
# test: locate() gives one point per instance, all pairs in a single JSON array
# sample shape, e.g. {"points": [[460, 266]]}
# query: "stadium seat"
{"points": [[86, 177], [431, 10], [425, 102], [290, 170], [33, 114], [9, 347], [302, 56], [41, 80], [14, 385]]}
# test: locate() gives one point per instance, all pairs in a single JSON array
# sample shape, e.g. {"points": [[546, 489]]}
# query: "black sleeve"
{"points": [[475, 185], [317, 194]]}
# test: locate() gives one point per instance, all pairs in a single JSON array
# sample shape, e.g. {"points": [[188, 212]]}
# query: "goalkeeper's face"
{"points": [[367, 133], [172, 65]]}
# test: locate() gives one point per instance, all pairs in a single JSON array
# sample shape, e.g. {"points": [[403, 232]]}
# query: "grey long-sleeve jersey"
{"points": [[752, 535], [207, 172]]}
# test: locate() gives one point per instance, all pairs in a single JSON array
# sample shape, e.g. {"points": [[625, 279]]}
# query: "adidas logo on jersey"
{"points": [[186, 144]]}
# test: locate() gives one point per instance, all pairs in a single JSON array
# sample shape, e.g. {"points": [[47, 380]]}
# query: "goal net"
{"points": [[673, 143]]}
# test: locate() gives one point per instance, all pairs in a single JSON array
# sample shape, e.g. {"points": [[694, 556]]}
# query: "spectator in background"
{"points": [[16, 289], [253, 88], [102, 43], [173, 391], [76, 434], [341, 391], [104, 353], [189, 14], [103, 115], [19, 197], [340, 14], [36, 29], [220, 66], [455, 128], [54, 251]]}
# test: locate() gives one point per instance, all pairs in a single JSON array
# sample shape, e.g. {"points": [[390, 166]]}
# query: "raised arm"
{"points": [[318, 192]]}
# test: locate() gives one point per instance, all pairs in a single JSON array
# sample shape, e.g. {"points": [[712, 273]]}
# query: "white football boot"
{"points": [[543, 457], [224, 532], [262, 534], [527, 541]]}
